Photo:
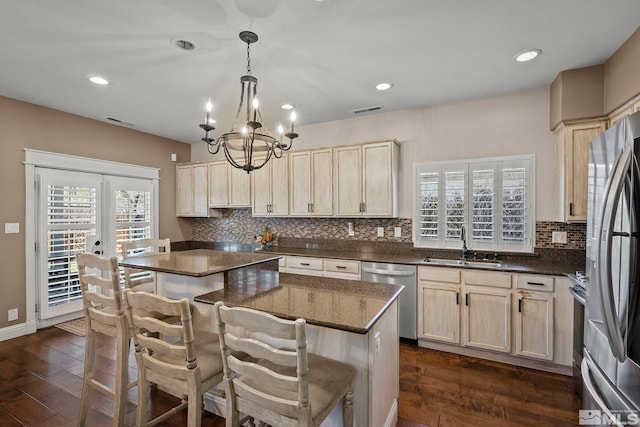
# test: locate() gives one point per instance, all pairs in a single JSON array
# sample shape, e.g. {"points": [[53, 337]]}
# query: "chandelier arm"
{"points": [[231, 159], [216, 144]]}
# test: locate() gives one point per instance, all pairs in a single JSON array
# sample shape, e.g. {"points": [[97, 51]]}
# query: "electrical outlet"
{"points": [[559, 237], [351, 230], [380, 231], [12, 314], [397, 232], [11, 227]]}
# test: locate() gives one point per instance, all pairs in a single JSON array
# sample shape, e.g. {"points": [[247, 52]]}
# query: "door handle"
{"points": [[457, 298], [519, 306], [466, 299]]}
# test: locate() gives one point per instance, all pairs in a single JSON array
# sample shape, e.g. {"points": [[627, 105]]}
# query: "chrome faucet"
{"points": [[464, 252]]}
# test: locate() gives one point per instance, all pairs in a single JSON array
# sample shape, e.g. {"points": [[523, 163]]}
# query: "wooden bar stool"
{"points": [[103, 312], [283, 385], [142, 280]]}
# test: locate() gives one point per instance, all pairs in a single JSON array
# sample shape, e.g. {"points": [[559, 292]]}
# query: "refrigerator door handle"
{"points": [[610, 206], [586, 368]]}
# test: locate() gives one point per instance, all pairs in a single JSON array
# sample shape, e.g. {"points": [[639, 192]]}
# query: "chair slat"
{"points": [[257, 321], [284, 407], [263, 374], [261, 350], [152, 324]]}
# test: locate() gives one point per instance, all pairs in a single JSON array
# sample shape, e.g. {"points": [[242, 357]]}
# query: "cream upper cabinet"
{"points": [[366, 180], [534, 325], [311, 183], [191, 190], [228, 186], [573, 161], [270, 188]]}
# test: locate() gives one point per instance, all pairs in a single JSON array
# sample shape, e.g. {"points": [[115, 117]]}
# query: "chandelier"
{"points": [[248, 136]]}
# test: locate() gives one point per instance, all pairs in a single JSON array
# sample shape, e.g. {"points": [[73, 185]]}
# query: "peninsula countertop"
{"points": [[198, 262], [348, 305]]}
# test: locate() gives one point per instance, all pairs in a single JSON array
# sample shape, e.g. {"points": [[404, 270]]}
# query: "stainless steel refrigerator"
{"points": [[611, 362]]}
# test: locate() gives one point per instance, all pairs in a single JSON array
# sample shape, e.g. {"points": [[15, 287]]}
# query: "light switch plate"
{"points": [[559, 237], [380, 231], [11, 227]]}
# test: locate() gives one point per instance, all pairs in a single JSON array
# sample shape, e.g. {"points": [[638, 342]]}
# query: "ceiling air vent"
{"points": [[367, 109], [120, 122]]}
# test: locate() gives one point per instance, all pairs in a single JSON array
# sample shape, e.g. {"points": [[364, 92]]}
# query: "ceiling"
{"points": [[325, 57]]}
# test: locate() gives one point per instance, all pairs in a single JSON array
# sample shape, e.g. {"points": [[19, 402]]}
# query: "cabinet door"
{"points": [[184, 191], [261, 190], [239, 187], [279, 186], [487, 320], [439, 313], [322, 182], [218, 185], [300, 172], [348, 180], [577, 139], [200, 191], [378, 180], [534, 325]]}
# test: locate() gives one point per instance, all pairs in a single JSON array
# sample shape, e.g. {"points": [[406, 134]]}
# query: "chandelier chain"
{"points": [[248, 59]]}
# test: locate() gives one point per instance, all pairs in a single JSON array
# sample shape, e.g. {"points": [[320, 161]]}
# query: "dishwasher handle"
{"points": [[388, 272]]}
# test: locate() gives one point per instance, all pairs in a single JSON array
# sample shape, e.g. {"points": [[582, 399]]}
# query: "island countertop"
{"points": [[198, 262], [348, 305]]}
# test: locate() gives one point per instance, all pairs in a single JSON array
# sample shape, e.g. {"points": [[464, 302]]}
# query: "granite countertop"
{"points": [[347, 305], [531, 265], [198, 262]]}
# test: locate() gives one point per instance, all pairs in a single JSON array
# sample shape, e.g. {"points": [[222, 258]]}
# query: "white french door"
{"points": [[84, 212]]}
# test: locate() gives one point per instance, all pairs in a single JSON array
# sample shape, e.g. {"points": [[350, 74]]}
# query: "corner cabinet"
{"points": [[523, 319], [229, 187], [191, 190], [270, 188], [366, 180], [572, 145], [311, 183]]}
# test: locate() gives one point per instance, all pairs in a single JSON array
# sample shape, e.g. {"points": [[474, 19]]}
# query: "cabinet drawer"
{"points": [[439, 274], [342, 266], [535, 282], [305, 263], [338, 275], [488, 278]]}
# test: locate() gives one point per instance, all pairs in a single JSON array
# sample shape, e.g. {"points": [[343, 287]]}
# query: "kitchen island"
{"points": [[351, 321]]}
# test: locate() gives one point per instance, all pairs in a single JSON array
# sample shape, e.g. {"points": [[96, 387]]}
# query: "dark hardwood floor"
{"points": [[41, 381]]}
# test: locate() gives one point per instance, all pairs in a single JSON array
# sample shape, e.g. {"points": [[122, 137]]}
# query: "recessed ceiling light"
{"points": [[527, 55], [286, 107], [384, 86], [99, 80]]}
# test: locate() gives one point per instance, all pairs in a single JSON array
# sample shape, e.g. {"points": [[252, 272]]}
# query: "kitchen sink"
{"points": [[463, 263]]}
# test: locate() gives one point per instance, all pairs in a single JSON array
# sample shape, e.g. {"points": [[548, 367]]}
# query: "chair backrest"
{"points": [[263, 336], [132, 276], [171, 345], [101, 294]]}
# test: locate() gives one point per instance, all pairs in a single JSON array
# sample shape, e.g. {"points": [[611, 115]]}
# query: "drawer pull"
{"points": [[457, 298], [519, 306], [342, 267], [466, 299], [305, 264], [535, 283]]}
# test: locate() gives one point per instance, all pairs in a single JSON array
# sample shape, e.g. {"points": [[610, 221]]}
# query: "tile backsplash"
{"points": [[238, 226]]}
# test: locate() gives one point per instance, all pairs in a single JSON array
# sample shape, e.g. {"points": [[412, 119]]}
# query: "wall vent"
{"points": [[367, 109], [120, 122]]}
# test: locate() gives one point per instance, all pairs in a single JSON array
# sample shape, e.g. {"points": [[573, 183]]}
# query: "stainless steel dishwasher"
{"points": [[398, 274]]}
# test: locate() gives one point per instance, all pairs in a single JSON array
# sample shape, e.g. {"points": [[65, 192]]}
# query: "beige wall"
{"points": [[500, 126], [24, 125], [622, 74]]}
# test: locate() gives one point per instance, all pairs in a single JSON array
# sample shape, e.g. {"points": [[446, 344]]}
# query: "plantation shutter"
{"points": [[428, 205]]}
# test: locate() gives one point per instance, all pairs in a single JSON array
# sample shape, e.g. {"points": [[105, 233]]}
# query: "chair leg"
{"points": [[89, 360], [347, 409], [195, 405], [142, 413], [122, 379]]}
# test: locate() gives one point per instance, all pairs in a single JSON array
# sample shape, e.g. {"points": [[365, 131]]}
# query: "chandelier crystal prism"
{"points": [[248, 145]]}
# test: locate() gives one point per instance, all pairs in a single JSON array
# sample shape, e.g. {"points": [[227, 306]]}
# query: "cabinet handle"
{"points": [[466, 299], [457, 298], [519, 306], [571, 209], [535, 283], [342, 267], [305, 264]]}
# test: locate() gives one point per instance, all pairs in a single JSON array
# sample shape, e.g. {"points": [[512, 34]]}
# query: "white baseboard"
{"points": [[392, 417], [45, 323], [15, 331]]}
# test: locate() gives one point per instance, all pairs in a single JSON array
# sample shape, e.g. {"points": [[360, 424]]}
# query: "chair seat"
{"points": [[329, 380]]}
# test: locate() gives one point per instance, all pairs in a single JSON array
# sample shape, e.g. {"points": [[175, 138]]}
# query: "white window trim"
{"points": [[465, 164], [37, 158]]}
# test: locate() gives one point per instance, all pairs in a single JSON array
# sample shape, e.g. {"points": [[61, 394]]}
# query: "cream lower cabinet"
{"points": [[322, 267], [524, 319]]}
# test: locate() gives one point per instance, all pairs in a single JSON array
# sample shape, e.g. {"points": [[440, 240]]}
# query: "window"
{"points": [[491, 198]]}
